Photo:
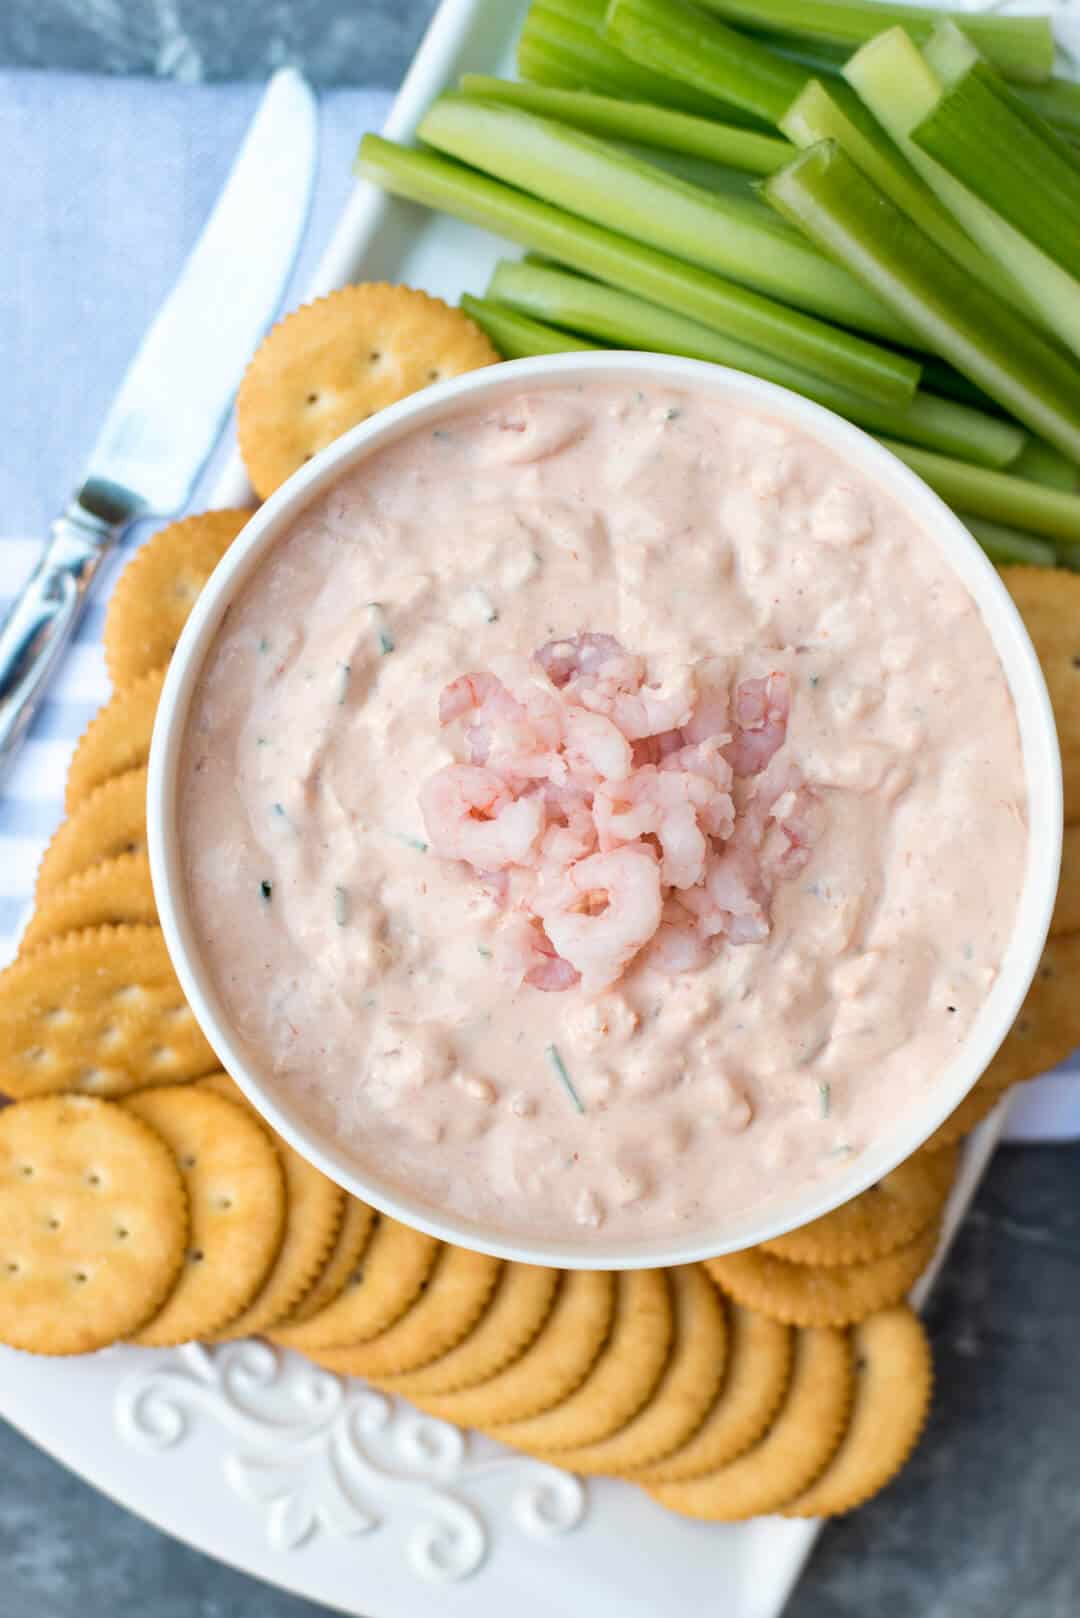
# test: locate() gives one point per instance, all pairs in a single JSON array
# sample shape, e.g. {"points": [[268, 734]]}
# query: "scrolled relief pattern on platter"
{"points": [[317, 1453]]}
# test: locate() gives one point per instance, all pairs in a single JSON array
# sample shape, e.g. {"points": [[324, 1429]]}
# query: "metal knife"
{"points": [[178, 390]]}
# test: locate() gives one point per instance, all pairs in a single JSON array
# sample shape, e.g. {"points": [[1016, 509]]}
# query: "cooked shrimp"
{"points": [[761, 718], [471, 815], [585, 657], [595, 745], [603, 911], [524, 954]]}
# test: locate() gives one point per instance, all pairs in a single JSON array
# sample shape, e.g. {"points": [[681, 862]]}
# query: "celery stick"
{"points": [[1036, 190], [997, 496], [1042, 463], [844, 213], [894, 81], [1021, 47], [515, 335], [682, 43], [815, 115], [1058, 101], [593, 179], [566, 52], [876, 372], [553, 296], [1004, 546], [638, 121]]}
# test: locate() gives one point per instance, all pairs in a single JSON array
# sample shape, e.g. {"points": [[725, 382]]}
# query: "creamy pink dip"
{"points": [[393, 991]]}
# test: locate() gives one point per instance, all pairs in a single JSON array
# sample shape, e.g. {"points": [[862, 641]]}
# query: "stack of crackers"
{"points": [[142, 1200]]}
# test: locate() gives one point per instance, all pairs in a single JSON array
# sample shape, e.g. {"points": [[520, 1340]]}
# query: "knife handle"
{"points": [[41, 622]]}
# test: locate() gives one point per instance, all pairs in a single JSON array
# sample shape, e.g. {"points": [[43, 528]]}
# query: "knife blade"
{"points": [[177, 392]]}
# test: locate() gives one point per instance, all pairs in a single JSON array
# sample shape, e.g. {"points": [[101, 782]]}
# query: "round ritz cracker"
{"points": [[110, 822], [556, 1362], [116, 740], [236, 1197], [157, 590], [893, 1382], [621, 1380], [341, 1263], [314, 1210], [117, 892], [98, 1011], [756, 1373], [93, 1224], [333, 363], [397, 1262], [819, 1294], [517, 1309], [450, 1302], [1048, 601], [878, 1220], [681, 1398], [804, 1436]]}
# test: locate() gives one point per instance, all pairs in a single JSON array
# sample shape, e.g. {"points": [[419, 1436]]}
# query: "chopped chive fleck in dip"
{"points": [[824, 1091], [263, 644], [344, 675], [341, 906], [266, 890], [382, 629], [563, 1077]]}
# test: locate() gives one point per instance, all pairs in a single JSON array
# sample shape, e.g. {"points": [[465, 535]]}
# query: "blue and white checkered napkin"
{"points": [[112, 182]]}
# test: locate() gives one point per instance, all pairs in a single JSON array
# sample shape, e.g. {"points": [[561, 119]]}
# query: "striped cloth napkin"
{"points": [[112, 182]]}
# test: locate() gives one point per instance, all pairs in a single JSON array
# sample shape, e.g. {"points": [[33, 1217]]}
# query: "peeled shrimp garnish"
{"points": [[607, 817]]}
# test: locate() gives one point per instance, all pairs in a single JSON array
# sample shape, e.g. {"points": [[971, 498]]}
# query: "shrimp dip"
{"points": [[602, 812]]}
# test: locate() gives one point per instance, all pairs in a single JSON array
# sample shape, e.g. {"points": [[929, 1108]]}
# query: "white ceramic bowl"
{"points": [[1041, 763]]}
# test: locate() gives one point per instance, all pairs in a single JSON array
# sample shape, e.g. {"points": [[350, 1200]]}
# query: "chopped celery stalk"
{"points": [[1036, 189], [566, 52], [601, 312], [843, 212], [1021, 47], [682, 43], [515, 335], [876, 372], [733, 236], [638, 121], [1042, 463], [894, 81], [1005, 546], [949, 52], [1057, 101], [998, 496], [823, 60], [816, 115]]}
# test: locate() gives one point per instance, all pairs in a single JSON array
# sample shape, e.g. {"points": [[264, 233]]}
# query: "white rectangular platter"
{"points": [[325, 1488]]}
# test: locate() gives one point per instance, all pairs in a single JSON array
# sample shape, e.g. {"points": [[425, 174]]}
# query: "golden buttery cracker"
{"points": [[98, 1011], [116, 740], [333, 363], [818, 1294], [621, 1380], [681, 1398], [110, 822], [519, 1305], [1048, 600], [878, 1220], [341, 1263], [451, 1301], [557, 1361], [236, 1197], [893, 1382], [117, 892], [93, 1224], [158, 588], [796, 1448], [757, 1370], [397, 1262]]}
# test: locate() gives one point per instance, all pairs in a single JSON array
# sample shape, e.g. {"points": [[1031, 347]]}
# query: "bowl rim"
{"points": [[778, 1213]]}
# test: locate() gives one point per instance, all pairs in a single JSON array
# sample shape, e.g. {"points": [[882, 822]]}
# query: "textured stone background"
{"points": [[985, 1523]]}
